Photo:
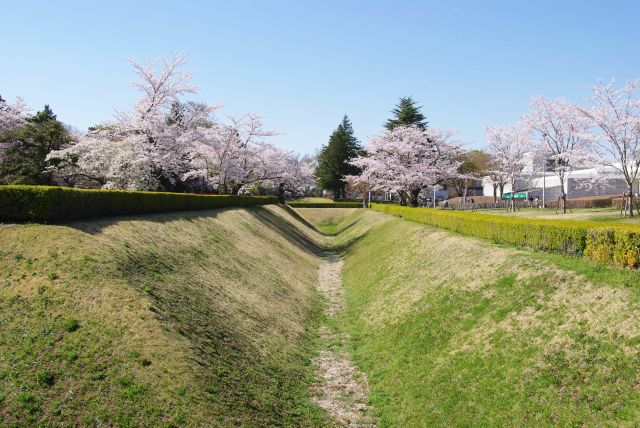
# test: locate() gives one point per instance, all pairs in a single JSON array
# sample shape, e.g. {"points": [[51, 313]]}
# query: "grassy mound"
{"points": [[198, 319], [456, 331]]}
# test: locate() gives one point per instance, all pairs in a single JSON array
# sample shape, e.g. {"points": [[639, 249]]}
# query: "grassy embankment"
{"points": [[196, 319], [209, 319], [457, 331]]}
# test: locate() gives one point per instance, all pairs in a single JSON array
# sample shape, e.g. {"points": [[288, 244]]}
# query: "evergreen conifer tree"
{"points": [[27, 147], [333, 161], [407, 112]]}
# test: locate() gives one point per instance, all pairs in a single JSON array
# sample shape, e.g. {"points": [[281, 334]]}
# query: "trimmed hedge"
{"points": [[601, 242], [46, 203], [325, 204], [586, 202]]}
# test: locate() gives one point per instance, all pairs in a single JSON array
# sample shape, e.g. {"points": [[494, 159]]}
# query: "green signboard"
{"points": [[518, 195]]}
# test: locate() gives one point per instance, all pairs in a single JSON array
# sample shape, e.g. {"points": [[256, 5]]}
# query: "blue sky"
{"points": [[303, 64]]}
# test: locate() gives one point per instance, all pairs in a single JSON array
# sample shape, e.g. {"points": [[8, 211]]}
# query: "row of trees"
{"points": [[604, 135], [164, 142], [407, 158], [410, 157]]}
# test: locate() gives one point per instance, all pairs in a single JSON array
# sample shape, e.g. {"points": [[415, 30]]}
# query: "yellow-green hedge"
{"points": [[46, 203], [325, 204], [602, 242]]}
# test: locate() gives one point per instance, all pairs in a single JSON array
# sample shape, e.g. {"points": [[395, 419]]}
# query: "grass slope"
{"points": [[198, 319], [456, 331]]}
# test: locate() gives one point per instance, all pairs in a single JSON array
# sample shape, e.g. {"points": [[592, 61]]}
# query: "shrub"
{"points": [[325, 204], [45, 377], [586, 202], [601, 242], [72, 325], [47, 203]]}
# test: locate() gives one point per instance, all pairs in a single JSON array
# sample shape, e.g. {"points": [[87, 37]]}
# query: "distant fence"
{"points": [[500, 205]]}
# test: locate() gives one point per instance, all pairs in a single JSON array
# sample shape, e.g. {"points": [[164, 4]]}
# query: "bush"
{"points": [[601, 242], [606, 201], [46, 203], [325, 204], [72, 325]]}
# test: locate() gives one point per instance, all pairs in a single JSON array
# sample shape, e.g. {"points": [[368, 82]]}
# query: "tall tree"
{"points": [[407, 113], [334, 159], [27, 147], [508, 145], [563, 136], [474, 165], [408, 160], [616, 114]]}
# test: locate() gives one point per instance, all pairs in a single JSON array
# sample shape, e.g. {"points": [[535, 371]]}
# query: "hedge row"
{"points": [[586, 202], [45, 203], [325, 204], [602, 242]]}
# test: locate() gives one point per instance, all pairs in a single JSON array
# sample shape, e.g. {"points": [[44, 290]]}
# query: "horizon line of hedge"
{"points": [[609, 244], [325, 204], [51, 203]]}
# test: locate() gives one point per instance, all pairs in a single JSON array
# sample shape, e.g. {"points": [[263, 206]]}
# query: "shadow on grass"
{"points": [[298, 238], [298, 217], [95, 226], [289, 231]]}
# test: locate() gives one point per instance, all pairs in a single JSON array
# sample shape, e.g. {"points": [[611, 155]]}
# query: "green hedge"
{"points": [[602, 242], [325, 204], [45, 203]]}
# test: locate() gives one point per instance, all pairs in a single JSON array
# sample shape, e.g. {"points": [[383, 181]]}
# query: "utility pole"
{"points": [[544, 181]]}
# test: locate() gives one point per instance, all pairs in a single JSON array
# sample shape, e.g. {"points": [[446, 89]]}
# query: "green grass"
{"points": [[210, 319], [183, 319], [456, 331], [315, 200]]}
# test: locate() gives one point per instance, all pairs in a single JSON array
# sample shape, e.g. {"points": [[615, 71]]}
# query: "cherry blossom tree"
{"points": [[233, 155], [509, 144], [290, 173], [167, 143], [563, 136], [408, 160], [497, 176], [12, 116], [144, 144], [616, 114]]}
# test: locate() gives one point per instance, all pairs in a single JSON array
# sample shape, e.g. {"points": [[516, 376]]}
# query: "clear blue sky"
{"points": [[303, 64]]}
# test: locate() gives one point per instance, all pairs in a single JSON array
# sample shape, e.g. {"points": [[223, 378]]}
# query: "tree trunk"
{"points": [[281, 193], [365, 199], [631, 199], [495, 194], [403, 197], [414, 197], [465, 188]]}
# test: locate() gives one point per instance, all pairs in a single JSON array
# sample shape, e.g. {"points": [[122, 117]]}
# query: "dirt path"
{"points": [[343, 392]]}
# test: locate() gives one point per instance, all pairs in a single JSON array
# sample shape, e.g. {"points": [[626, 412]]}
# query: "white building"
{"points": [[579, 183]]}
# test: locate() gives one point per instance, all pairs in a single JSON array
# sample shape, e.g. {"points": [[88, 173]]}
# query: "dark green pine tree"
{"points": [[407, 112], [333, 160], [28, 146]]}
